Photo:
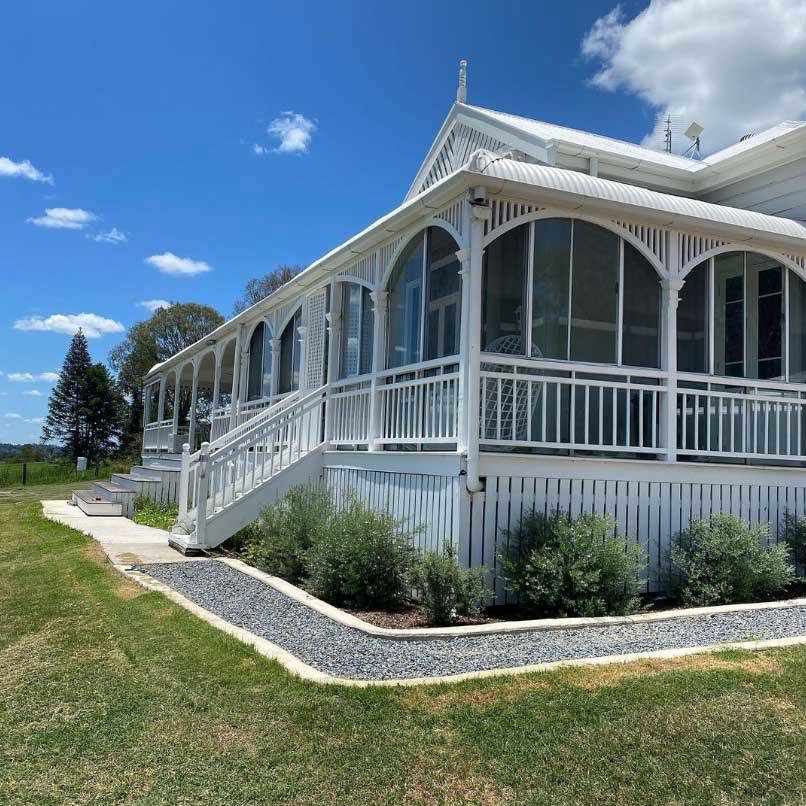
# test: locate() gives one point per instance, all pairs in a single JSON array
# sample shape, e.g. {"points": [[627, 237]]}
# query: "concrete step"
{"points": [[131, 482], [94, 505], [106, 489]]}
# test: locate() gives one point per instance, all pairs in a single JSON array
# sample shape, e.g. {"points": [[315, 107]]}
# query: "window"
{"points": [[502, 320], [428, 261], [357, 335], [640, 336], [594, 294], [254, 385], [729, 314], [797, 328], [573, 271], [692, 321], [765, 322], [290, 353], [550, 287]]}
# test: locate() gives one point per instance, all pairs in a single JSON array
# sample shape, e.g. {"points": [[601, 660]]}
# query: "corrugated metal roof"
{"points": [[550, 132], [560, 179]]}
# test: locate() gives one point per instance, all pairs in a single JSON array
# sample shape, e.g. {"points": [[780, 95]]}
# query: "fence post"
{"points": [[24, 473], [202, 487], [183, 483]]}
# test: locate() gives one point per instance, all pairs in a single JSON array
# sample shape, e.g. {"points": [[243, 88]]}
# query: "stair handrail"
{"points": [[267, 413]]}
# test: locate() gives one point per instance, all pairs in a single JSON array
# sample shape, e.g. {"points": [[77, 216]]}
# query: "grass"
{"points": [[150, 513], [40, 473], [111, 694]]}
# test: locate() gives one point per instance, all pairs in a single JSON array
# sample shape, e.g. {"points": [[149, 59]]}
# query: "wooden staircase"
{"points": [[225, 485]]}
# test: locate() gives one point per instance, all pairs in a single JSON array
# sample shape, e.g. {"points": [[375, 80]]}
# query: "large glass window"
{"points": [[594, 294], [692, 321], [729, 314], [254, 386], [640, 335], [505, 266], [444, 295], [429, 260], [765, 320], [290, 354], [797, 328], [357, 335], [550, 287], [573, 304]]}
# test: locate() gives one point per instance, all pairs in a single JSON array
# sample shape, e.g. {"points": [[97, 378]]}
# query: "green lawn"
{"points": [[110, 694]]}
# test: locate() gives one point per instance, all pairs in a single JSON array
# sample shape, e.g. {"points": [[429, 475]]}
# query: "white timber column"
{"points": [[216, 378], [276, 345], [175, 412], [243, 371], [380, 309], [463, 256], [193, 395], [479, 214], [302, 330], [161, 401], [671, 296], [334, 333], [236, 379], [146, 404]]}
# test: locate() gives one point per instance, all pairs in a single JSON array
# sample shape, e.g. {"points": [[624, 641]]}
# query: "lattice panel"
{"points": [[453, 215], [461, 142], [365, 269], [503, 211], [654, 239], [315, 341]]}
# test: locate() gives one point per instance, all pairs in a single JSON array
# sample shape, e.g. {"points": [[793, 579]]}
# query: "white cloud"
{"points": [[63, 218], [169, 263], [113, 236], [734, 66], [30, 377], [154, 305], [24, 169], [69, 323], [36, 420], [294, 132], [11, 416], [33, 393]]}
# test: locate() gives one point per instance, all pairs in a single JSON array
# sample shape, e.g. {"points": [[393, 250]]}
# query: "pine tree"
{"points": [[103, 416], [65, 422]]}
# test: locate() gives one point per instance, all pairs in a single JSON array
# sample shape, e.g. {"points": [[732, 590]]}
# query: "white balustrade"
{"points": [[740, 419], [554, 405], [157, 437], [419, 404], [349, 420]]}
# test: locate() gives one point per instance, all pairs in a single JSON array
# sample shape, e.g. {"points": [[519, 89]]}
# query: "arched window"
{"points": [[357, 331], [732, 319], [428, 262], [259, 371], [290, 354], [567, 289]]}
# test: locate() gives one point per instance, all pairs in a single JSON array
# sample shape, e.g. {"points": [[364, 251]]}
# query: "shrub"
{"points": [[795, 537], [280, 539], [721, 559], [563, 566], [150, 513], [362, 560], [446, 590]]}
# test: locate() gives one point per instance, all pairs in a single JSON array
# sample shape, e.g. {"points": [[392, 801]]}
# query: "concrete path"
{"points": [[124, 541]]}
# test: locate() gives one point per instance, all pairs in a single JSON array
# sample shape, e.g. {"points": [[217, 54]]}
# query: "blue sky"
{"points": [[146, 116]]}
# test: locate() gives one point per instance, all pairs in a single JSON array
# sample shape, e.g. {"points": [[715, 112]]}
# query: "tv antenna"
{"points": [[693, 133], [667, 135]]}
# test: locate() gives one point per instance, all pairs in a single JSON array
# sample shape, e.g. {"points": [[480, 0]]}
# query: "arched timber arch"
{"points": [[351, 278], [784, 260], [434, 222], [254, 326], [288, 317], [528, 218]]}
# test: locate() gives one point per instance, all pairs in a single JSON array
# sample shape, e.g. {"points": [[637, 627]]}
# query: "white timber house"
{"points": [[550, 318]]}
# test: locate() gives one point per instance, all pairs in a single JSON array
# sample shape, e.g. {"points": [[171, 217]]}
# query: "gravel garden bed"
{"points": [[346, 652]]}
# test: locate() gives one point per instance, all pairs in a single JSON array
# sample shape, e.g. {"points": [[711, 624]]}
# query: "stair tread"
{"points": [[110, 487], [91, 498], [131, 477]]}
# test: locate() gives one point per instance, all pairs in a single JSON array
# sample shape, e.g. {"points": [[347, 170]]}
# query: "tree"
{"points": [[66, 407], [104, 408], [166, 333], [259, 288]]}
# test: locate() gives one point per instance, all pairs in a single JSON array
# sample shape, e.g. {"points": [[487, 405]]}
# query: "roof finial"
{"points": [[461, 90]]}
